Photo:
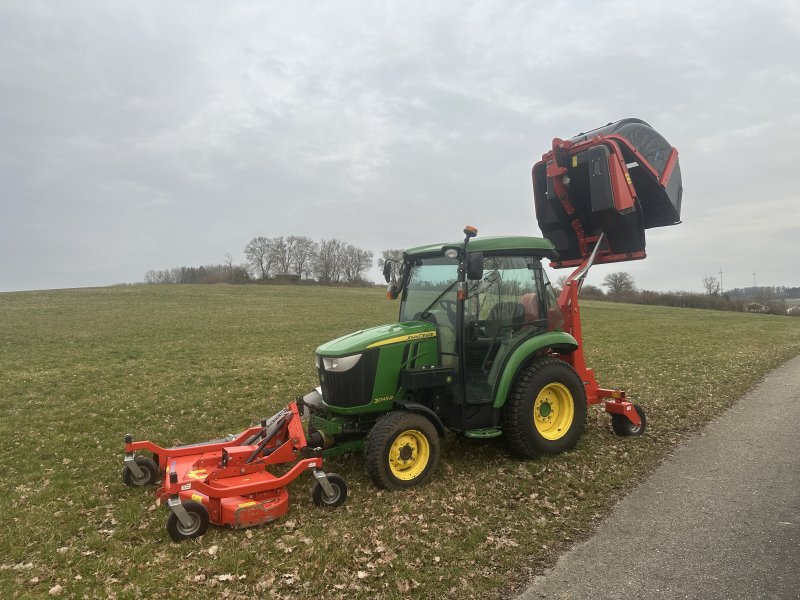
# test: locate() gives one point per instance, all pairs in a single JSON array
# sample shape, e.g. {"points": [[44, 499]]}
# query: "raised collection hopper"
{"points": [[619, 179]]}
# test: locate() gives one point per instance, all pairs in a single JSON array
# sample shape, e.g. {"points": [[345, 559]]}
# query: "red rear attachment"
{"points": [[619, 180]]}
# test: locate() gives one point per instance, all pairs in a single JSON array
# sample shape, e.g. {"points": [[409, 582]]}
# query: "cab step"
{"points": [[490, 432]]}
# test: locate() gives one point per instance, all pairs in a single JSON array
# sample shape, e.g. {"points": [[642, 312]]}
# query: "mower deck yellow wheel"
{"points": [[409, 454], [553, 411]]}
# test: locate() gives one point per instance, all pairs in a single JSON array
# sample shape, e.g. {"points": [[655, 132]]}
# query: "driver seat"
{"points": [[502, 315]]}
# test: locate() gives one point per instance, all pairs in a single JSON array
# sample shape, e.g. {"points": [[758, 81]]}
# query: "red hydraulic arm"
{"points": [[615, 400]]}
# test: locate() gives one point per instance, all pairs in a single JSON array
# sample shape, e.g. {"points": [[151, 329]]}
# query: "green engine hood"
{"points": [[382, 335]]}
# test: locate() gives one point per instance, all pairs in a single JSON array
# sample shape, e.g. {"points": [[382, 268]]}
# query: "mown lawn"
{"points": [[80, 368]]}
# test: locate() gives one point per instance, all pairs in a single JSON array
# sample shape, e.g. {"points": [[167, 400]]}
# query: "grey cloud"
{"points": [[156, 134]]}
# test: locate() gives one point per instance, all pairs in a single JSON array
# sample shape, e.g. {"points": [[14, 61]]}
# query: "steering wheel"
{"points": [[450, 307], [475, 328]]}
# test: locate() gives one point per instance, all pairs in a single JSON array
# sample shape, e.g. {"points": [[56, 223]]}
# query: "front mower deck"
{"points": [[228, 482]]}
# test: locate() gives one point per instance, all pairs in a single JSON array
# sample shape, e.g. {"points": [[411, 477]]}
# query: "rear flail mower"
{"points": [[482, 348]]}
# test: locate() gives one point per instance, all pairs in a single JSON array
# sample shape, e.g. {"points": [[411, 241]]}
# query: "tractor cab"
{"points": [[503, 299]]}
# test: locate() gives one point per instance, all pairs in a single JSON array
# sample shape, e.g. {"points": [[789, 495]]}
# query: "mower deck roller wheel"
{"points": [[546, 410], [149, 473], [401, 450], [198, 514], [622, 426], [322, 500]]}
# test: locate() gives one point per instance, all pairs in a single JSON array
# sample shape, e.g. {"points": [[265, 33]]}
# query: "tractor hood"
{"points": [[374, 337]]}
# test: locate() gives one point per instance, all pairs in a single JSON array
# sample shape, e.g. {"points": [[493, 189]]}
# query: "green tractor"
{"points": [[482, 346], [474, 352]]}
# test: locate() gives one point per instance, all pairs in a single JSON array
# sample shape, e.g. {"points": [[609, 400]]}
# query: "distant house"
{"points": [[756, 307], [793, 311]]}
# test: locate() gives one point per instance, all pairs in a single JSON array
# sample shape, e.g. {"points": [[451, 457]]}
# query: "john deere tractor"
{"points": [[483, 347]]}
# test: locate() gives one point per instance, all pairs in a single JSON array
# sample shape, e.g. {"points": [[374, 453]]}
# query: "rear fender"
{"points": [[554, 341]]}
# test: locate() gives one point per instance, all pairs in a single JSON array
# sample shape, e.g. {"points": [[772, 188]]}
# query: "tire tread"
{"points": [[378, 439], [517, 419]]}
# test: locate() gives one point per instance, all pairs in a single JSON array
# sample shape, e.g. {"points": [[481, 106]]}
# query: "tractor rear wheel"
{"points": [[546, 410], [401, 450]]}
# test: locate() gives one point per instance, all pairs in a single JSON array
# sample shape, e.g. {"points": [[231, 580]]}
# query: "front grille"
{"points": [[352, 387]]}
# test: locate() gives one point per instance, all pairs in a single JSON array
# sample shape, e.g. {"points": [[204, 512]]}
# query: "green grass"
{"points": [[80, 368]]}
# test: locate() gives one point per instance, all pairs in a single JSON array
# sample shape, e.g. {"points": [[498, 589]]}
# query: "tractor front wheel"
{"points": [[401, 450], [622, 425], [546, 410]]}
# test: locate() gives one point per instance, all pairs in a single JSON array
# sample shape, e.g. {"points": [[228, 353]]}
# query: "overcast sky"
{"points": [[147, 135]]}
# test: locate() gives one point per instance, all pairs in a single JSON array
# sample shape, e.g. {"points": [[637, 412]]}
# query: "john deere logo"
{"points": [[404, 338]]}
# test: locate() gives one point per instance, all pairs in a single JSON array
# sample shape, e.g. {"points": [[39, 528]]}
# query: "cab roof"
{"points": [[532, 246]]}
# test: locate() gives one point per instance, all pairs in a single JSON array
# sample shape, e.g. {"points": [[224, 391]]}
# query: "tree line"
{"points": [[621, 287], [280, 259]]}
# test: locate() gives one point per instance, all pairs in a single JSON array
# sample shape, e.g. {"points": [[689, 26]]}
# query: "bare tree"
{"points": [[301, 254], [558, 285], [712, 285], [156, 277], [619, 283], [354, 262], [259, 256], [281, 254], [327, 261], [230, 265]]}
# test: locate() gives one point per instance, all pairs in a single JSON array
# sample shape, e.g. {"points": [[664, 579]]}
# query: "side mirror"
{"points": [[475, 265], [387, 271]]}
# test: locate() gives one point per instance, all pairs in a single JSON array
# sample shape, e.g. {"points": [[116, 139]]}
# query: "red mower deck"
{"points": [[227, 482]]}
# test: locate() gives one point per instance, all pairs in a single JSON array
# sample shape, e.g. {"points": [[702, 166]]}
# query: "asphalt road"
{"points": [[719, 519]]}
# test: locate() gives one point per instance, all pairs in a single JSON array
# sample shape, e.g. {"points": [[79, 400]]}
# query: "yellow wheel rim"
{"points": [[409, 454], [553, 411]]}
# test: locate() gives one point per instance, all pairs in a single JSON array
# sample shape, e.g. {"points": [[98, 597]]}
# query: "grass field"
{"points": [[80, 368]]}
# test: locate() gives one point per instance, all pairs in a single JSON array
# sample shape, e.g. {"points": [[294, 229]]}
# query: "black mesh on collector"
{"points": [[660, 206], [595, 196]]}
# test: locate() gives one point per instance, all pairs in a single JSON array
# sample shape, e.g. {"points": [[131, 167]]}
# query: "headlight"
{"points": [[340, 364]]}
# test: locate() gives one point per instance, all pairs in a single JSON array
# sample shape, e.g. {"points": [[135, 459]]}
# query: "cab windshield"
{"points": [[431, 287]]}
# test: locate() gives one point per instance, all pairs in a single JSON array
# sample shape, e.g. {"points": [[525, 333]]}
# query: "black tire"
{"points": [[199, 515], [622, 426], [149, 473], [319, 497], [401, 450], [547, 383]]}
